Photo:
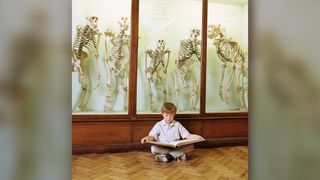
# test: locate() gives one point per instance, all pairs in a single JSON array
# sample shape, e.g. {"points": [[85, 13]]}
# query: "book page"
{"points": [[161, 143], [186, 141], [176, 143]]}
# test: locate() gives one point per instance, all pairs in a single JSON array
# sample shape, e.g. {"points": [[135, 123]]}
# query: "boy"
{"points": [[169, 130]]}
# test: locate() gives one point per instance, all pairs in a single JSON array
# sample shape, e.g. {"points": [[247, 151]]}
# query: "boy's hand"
{"points": [[147, 138], [194, 136]]}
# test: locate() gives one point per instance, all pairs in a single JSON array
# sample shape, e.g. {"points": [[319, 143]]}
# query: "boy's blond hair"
{"points": [[169, 108]]}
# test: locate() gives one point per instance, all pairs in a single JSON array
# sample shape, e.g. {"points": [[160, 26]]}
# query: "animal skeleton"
{"points": [[85, 45], [183, 72], [229, 51], [117, 62], [156, 70]]}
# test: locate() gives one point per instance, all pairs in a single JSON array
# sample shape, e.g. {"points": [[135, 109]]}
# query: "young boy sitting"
{"points": [[168, 130]]}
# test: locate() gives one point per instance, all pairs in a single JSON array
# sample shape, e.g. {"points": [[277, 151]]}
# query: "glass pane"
{"points": [[227, 46], [169, 55], [104, 92]]}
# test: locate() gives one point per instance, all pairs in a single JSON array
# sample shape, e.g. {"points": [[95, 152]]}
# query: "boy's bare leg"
{"points": [[181, 151], [168, 154], [159, 150]]}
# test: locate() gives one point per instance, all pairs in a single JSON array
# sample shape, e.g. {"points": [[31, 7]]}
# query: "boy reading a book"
{"points": [[168, 130]]}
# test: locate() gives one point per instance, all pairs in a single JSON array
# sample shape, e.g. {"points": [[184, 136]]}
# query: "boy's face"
{"points": [[168, 117]]}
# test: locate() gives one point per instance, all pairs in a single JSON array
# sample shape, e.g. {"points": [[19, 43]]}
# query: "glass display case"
{"points": [[169, 55], [130, 56], [100, 83], [227, 70]]}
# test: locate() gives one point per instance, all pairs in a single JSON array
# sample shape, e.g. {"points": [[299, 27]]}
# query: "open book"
{"points": [[175, 144]]}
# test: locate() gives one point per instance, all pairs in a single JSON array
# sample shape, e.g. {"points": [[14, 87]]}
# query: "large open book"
{"points": [[175, 144]]}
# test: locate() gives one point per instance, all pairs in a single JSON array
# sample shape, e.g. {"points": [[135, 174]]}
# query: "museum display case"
{"points": [[130, 56], [168, 60]]}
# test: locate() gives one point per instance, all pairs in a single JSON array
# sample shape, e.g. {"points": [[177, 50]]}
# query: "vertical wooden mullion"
{"points": [[133, 59], [203, 58]]}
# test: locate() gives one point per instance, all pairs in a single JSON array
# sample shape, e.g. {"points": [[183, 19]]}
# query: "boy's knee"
{"points": [[159, 150]]}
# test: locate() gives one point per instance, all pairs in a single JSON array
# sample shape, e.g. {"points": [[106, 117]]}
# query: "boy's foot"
{"points": [[161, 157]]}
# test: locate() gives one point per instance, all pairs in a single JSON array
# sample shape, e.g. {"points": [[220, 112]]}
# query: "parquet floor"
{"points": [[217, 163]]}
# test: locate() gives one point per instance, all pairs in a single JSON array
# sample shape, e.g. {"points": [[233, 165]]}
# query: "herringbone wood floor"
{"points": [[217, 163]]}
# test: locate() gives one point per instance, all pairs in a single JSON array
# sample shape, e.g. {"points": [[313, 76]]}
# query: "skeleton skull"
{"points": [[161, 44], [124, 24], [92, 21], [213, 31], [195, 33]]}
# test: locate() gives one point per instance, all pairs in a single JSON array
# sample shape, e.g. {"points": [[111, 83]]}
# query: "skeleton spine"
{"points": [[82, 40]]}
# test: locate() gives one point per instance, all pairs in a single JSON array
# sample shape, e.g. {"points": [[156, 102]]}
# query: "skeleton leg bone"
{"points": [[109, 91], [186, 88], [224, 65], [151, 89], [246, 91], [176, 87], [154, 95], [125, 93], [229, 83], [84, 81], [195, 88], [108, 98], [194, 94], [240, 87], [245, 84], [165, 87]]}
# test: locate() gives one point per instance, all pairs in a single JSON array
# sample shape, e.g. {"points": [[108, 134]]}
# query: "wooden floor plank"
{"points": [[216, 163]]}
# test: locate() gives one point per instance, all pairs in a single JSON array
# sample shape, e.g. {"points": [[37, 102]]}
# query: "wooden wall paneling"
{"points": [[141, 129], [106, 137], [101, 133], [225, 128], [194, 127]]}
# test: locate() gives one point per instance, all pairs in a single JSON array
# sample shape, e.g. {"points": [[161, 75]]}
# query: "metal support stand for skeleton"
{"points": [[156, 70], [184, 73], [229, 52], [84, 46], [117, 63]]}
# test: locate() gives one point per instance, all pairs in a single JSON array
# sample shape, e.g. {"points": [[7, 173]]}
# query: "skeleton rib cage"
{"points": [[85, 41], [118, 51], [229, 51], [188, 48], [158, 59]]}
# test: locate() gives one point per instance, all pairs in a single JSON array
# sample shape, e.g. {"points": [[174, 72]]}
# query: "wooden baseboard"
{"points": [[126, 147]]}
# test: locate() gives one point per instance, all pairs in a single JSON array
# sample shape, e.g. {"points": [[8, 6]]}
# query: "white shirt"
{"points": [[164, 132]]}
